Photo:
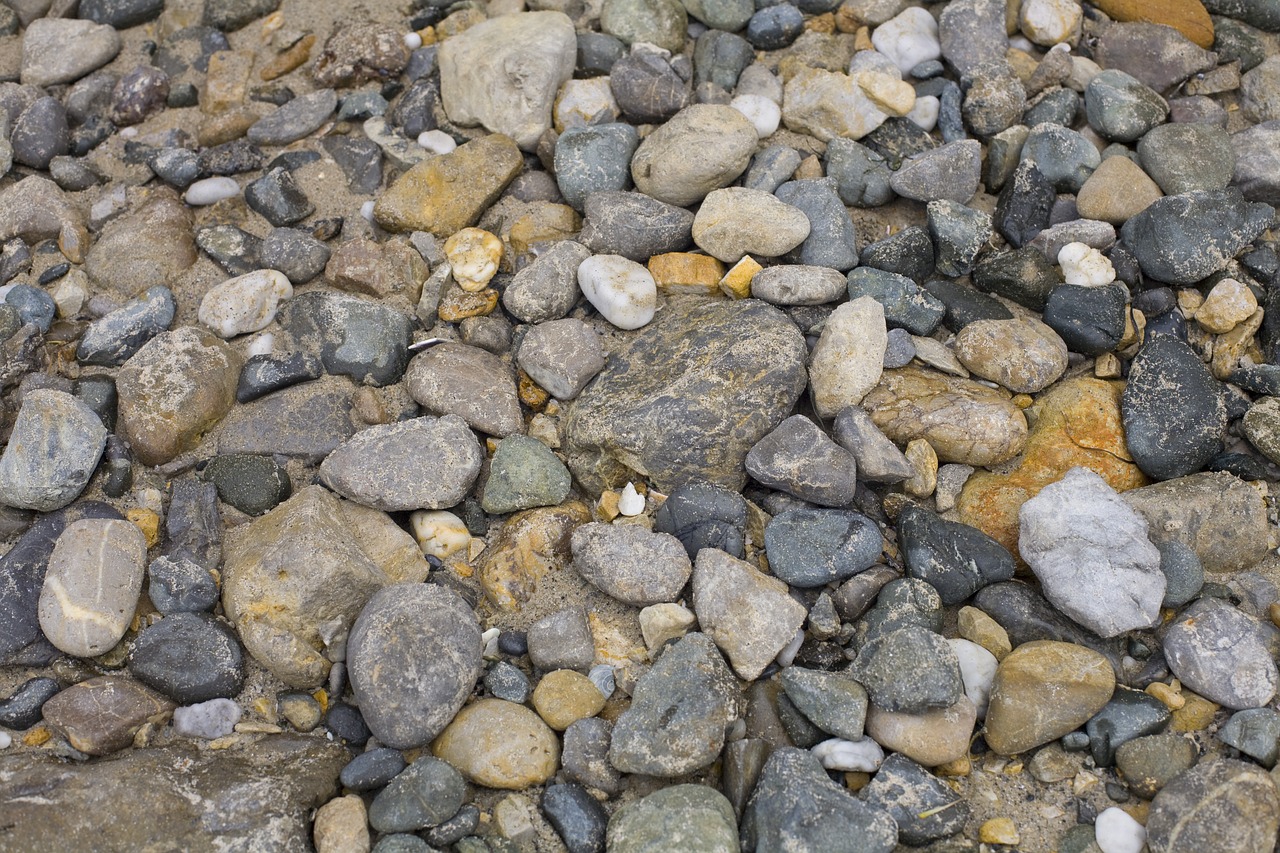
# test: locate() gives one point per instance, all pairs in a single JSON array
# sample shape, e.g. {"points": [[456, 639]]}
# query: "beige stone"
{"points": [[976, 626], [564, 696], [341, 826], [1022, 354], [827, 104], [445, 194], [529, 546], [848, 360], [924, 481], [1043, 690], [736, 283], [662, 622], [890, 94], [499, 744], [474, 255], [1228, 304], [937, 736], [226, 83], [1116, 191]]}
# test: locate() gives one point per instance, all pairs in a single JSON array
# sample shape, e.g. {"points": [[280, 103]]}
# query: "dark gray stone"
{"points": [[40, 133], [964, 304], [831, 241], [351, 336], [232, 248], [33, 305], [21, 710], [1183, 572], [719, 57], [1025, 204], [634, 225], [954, 558], [862, 175], [1024, 276], [360, 160], [799, 458], [295, 253], [771, 167], [835, 704], [1090, 320], [1255, 732], [114, 337], [1129, 714], [584, 756], [959, 233], [177, 585], [1189, 156], [1257, 162], [189, 657], [648, 90], [523, 474], [428, 793], [908, 252], [506, 681], [950, 172], [121, 14], [1184, 238], [1121, 108], [547, 289], [562, 640], [277, 197], [594, 158], [925, 808], [814, 547], [230, 15], [910, 669], [372, 769], [576, 816], [774, 27], [1062, 155], [252, 484], [879, 459], [1027, 616], [905, 304], [704, 515]]}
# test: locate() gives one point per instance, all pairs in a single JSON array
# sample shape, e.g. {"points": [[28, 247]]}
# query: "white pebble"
{"points": [[210, 191], [622, 290], [262, 344], [1116, 831], [366, 210], [788, 654], [245, 303], [439, 533], [763, 113], [474, 255], [977, 671], [601, 676], [1048, 22], [5, 740], [1084, 265], [630, 502], [924, 114], [213, 719], [129, 133], [413, 41], [490, 640], [909, 38], [436, 141], [863, 755]]}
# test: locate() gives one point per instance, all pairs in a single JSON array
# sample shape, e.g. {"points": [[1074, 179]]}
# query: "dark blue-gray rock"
{"points": [[345, 723], [796, 806], [925, 807], [1129, 714], [597, 52], [719, 57], [231, 15], [576, 816], [295, 253], [362, 105], [905, 304], [949, 172], [1182, 157], [800, 459], [561, 640], [908, 252], [232, 248], [771, 167], [1090, 320], [1024, 206], [506, 681], [1184, 238], [834, 703], [831, 241], [900, 602], [1183, 573], [1173, 410], [594, 158], [114, 337], [625, 415], [98, 392], [862, 175], [33, 305], [121, 14], [307, 421], [813, 547], [1255, 732], [189, 657], [1062, 155], [268, 372], [964, 305], [40, 133], [360, 160], [351, 336], [193, 525], [679, 711], [959, 233], [21, 710], [427, 793], [1026, 616], [277, 197], [634, 225], [1257, 162], [1120, 107], [1054, 106], [463, 823], [414, 655], [954, 558], [900, 138], [1024, 276], [73, 174], [231, 158], [648, 90], [251, 483], [372, 769], [910, 669], [1264, 14], [1222, 805], [53, 449], [1222, 654], [775, 27], [584, 757], [688, 816], [704, 515], [178, 585]]}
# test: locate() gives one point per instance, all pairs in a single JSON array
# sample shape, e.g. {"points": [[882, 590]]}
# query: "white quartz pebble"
{"points": [[630, 502], [245, 303], [211, 190], [622, 290], [436, 141], [977, 671], [5, 740], [864, 755], [1116, 831], [909, 38], [262, 344], [1048, 22], [924, 114], [474, 255], [413, 41], [763, 113], [366, 210], [213, 719], [1084, 265], [439, 533]]}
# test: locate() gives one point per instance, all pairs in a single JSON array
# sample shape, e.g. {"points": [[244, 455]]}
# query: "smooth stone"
{"points": [[1224, 805], [499, 744], [189, 657], [798, 284], [646, 85], [954, 558], [426, 794], [828, 105], [925, 808], [505, 681], [633, 225], [100, 715], [564, 696], [62, 50], [22, 709], [1221, 654], [561, 640], [576, 816], [594, 158], [1182, 157], [523, 474], [932, 737], [1169, 441], [547, 289], [475, 385], [695, 816], [737, 221], [799, 458], [631, 564], [1255, 732], [986, 348], [906, 304], [1121, 108], [1149, 763], [656, 22], [113, 338], [306, 421], [833, 703], [813, 547], [1117, 191], [831, 241], [290, 122], [372, 769], [703, 515], [1130, 714], [663, 167], [53, 449], [622, 290], [879, 460], [848, 360], [1090, 320], [1184, 238], [1257, 155], [252, 484], [947, 172], [244, 304], [120, 262], [862, 176]]}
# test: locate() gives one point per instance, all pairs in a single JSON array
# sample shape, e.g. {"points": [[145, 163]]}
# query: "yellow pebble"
{"points": [[736, 283], [608, 505], [1195, 715], [1022, 401], [856, 780], [147, 521], [37, 736], [1166, 694], [474, 255], [999, 830], [322, 696], [265, 707]]}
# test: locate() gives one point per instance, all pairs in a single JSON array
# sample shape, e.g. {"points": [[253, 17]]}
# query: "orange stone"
{"points": [[457, 304], [531, 545], [531, 393], [686, 272], [284, 62], [1188, 17]]}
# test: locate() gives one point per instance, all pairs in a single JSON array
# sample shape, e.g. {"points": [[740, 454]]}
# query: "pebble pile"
{"points": [[640, 425]]}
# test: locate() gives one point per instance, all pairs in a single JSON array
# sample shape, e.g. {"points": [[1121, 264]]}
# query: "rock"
{"points": [[748, 614], [100, 715], [277, 197], [1149, 763], [312, 559], [835, 704], [634, 226], [910, 669], [986, 348], [207, 720], [933, 737], [848, 360], [813, 547], [178, 385], [178, 585], [622, 291], [499, 744], [189, 657], [737, 221], [646, 85], [524, 474], [372, 769], [1043, 690], [342, 824], [361, 51], [62, 50], [664, 168], [1226, 306], [562, 356], [704, 515], [862, 176], [1090, 320], [244, 304], [595, 158], [290, 122], [1117, 191], [564, 696], [828, 105], [1174, 411], [92, 585], [22, 709], [1121, 108], [504, 73], [1130, 714], [947, 172], [1224, 804], [906, 791], [36, 209], [40, 133], [959, 233], [351, 337], [576, 816], [1184, 238], [1182, 157], [52, 452], [1221, 654], [120, 262], [799, 458], [384, 270], [631, 564], [656, 22], [622, 414], [252, 484], [1257, 151], [531, 545], [1123, 47], [693, 815], [831, 241], [547, 289], [113, 338], [468, 382], [955, 559], [879, 460]]}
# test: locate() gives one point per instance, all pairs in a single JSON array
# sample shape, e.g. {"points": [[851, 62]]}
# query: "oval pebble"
{"points": [[211, 191], [622, 290]]}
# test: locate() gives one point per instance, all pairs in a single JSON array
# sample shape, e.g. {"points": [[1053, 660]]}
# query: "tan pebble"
{"points": [[1189, 301], [1195, 715], [73, 241], [531, 393], [1022, 401], [736, 283], [662, 622], [810, 168], [846, 21], [607, 506], [1116, 191], [686, 272], [342, 826], [457, 305], [583, 102], [862, 39], [439, 533], [1166, 694], [37, 736], [924, 461], [564, 696], [999, 830], [1107, 366], [891, 95], [1228, 304], [252, 728], [978, 627], [824, 23], [499, 744], [856, 780], [1274, 612], [287, 60], [264, 707], [226, 81], [962, 766], [544, 222], [147, 521], [1134, 324]]}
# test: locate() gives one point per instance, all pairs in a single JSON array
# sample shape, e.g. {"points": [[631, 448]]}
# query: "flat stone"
{"points": [[632, 225], [113, 338], [799, 458], [833, 703], [1221, 654], [52, 452], [300, 117], [737, 221], [692, 815], [631, 564], [547, 288], [468, 382], [100, 715], [932, 737], [62, 50], [909, 669], [813, 547], [1184, 238], [189, 657], [957, 560], [879, 459], [119, 262], [499, 744]]}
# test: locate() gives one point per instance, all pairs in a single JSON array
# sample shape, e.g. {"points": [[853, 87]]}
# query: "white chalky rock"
{"points": [[849, 358], [413, 41], [213, 719], [662, 622], [366, 210], [436, 141], [1116, 831], [924, 114], [858, 756], [763, 113], [474, 255], [71, 293], [5, 740], [263, 344], [584, 102], [439, 533], [909, 38], [977, 670], [1049, 22], [1085, 265], [630, 502], [245, 303], [622, 290], [211, 190]]}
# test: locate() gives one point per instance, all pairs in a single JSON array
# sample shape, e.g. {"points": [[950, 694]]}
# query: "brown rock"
{"points": [[101, 715], [964, 421], [1022, 354], [390, 270], [297, 54], [686, 272], [1188, 17], [128, 265], [529, 546], [1117, 190], [177, 386], [448, 193], [361, 51], [541, 222], [226, 83], [499, 744], [1043, 690], [457, 304], [1076, 423], [931, 738], [35, 209]]}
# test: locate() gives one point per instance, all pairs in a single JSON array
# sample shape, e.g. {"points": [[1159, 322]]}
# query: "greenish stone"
{"points": [[524, 474], [1149, 763], [690, 818], [659, 22], [251, 484], [1077, 839]]}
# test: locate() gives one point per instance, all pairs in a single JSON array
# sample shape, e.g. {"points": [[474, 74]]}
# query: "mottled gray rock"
{"points": [[1184, 238], [813, 547], [924, 806], [477, 386], [633, 225], [832, 702], [594, 158], [630, 563], [798, 284], [562, 356], [290, 122], [1225, 805], [52, 452], [1222, 654], [691, 817], [799, 458], [523, 474], [879, 459], [1257, 162], [548, 288], [352, 337], [562, 640], [951, 171], [62, 50], [426, 794], [910, 669]]}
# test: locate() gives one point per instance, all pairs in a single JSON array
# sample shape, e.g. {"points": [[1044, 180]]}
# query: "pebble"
{"points": [[117, 335], [52, 452], [207, 720], [101, 715], [663, 168], [685, 814], [300, 117], [950, 171], [703, 515], [831, 241], [372, 769], [799, 458], [470, 383], [848, 360], [189, 657], [647, 87], [932, 738], [812, 547], [341, 825], [562, 640], [562, 356], [1196, 646], [1211, 803], [956, 559], [737, 221], [577, 817], [22, 708], [748, 614], [425, 794], [594, 158], [631, 564], [499, 745], [827, 105], [1254, 732], [244, 304], [62, 50], [1174, 242], [622, 290], [908, 39]]}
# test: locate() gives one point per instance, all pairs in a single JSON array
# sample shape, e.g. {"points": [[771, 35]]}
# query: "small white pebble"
{"points": [[791, 649], [763, 113], [490, 639], [630, 502], [5, 740], [436, 141], [4, 290], [439, 533], [1022, 43], [366, 210], [128, 133], [863, 755], [211, 190], [262, 344], [622, 290], [413, 41], [1117, 832], [977, 671], [1084, 265], [244, 304], [924, 114], [208, 720]]}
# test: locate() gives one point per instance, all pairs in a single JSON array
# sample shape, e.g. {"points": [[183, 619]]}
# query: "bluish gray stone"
{"points": [[33, 305], [372, 769], [831, 241], [905, 304], [775, 27], [719, 57], [1173, 410], [910, 669], [1181, 157], [954, 558], [771, 167], [1183, 238], [594, 158], [576, 816], [813, 547], [111, 339], [835, 704], [1090, 320], [862, 175], [53, 449], [1129, 714], [1255, 732], [506, 681], [295, 253], [177, 585], [1122, 108], [1222, 654], [959, 233], [189, 657], [1062, 155], [352, 337], [704, 515], [800, 459], [427, 793], [924, 806], [634, 225]]}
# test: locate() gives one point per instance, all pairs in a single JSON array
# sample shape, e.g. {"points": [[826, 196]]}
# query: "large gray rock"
{"points": [[631, 564], [562, 356], [414, 655], [1222, 654], [799, 458], [504, 73], [687, 396], [92, 585], [424, 463], [701, 148], [475, 385], [62, 50], [690, 817], [1183, 238], [1091, 553], [52, 452], [1225, 805], [1257, 167]]}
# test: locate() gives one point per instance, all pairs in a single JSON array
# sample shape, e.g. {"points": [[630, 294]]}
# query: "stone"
{"points": [[862, 176], [933, 737], [663, 167], [522, 59], [813, 547], [621, 419], [633, 225], [737, 221], [1121, 108], [92, 585], [986, 348], [833, 703], [950, 171], [1224, 804], [622, 290], [300, 117], [679, 815], [548, 288], [100, 715], [1221, 654], [22, 709], [392, 270], [189, 657], [113, 338], [577, 817], [878, 459], [523, 474], [500, 745], [831, 241], [631, 564], [469, 382], [1116, 191], [342, 824], [909, 669], [244, 304], [52, 451], [1043, 690], [1227, 305], [62, 50], [959, 233], [564, 696], [1184, 238], [656, 22], [957, 560], [1149, 763], [828, 105], [120, 262], [1257, 151], [799, 458], [647, 87], [848, 360], [906, 791], [703, 515], [1181, 157], [594, 158], [208, 720], [353, 54], [180, 585], [447, 193], [531, 545]]}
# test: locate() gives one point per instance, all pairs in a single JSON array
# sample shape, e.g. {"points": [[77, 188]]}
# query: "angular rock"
{"points": [[1184, 238], [748, 614], [352, 337], [955, 559], [52, 452], [799, 458], [1223, 804], [813, 547], [101, 715]]}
